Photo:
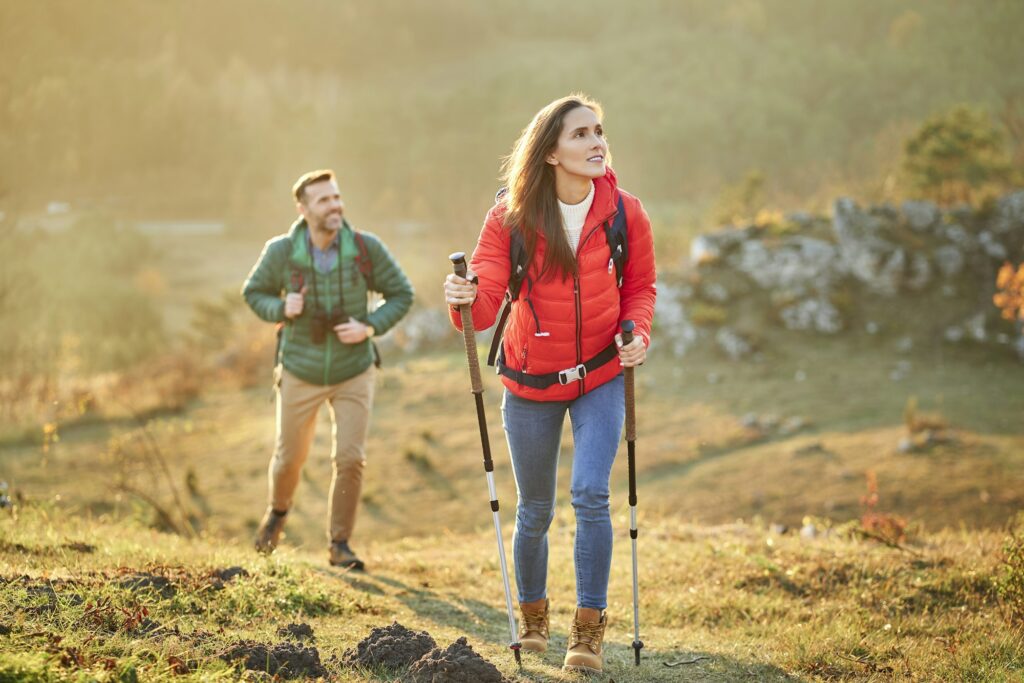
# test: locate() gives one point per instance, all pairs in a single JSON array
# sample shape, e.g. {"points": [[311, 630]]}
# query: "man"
{"points": [[314, 282]]}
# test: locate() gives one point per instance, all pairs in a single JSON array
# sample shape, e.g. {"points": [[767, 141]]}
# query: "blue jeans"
{"points": [[534, 433]]}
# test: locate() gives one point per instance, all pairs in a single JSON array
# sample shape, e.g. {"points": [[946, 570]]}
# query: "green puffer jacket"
{"points": [[272, 276]]}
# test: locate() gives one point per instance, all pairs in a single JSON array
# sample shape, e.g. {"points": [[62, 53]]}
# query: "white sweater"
{"points": [[573, 217]]}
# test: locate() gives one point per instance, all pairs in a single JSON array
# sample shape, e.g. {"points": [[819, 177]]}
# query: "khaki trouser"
{"points": [[298, 403]]}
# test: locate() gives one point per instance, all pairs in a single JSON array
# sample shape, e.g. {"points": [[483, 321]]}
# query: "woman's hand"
{"points": [[633, 353], [458, 290]]}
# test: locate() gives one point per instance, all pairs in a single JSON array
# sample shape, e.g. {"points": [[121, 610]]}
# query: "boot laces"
{"points": [[587, 633], [535, 621]]}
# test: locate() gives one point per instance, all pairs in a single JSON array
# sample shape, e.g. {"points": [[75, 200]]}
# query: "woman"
{"points": [[560, 196]]}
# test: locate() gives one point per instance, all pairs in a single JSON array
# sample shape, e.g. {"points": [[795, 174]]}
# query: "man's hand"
{"points": [[351, 332], [632, 354], [293, 303]]}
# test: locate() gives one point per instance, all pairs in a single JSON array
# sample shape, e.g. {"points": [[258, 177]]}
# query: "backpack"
{"points": [[615, 235], [364, 265]]}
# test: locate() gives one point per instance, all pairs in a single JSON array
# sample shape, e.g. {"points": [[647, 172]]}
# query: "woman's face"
{"points": [[581, 148]]}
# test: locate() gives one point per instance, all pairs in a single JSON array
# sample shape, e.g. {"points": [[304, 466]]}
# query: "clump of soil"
{"points": [[392, 647], [286, 660], [229, 573], [456, 664], [219, 577], [80, 547], [299, 631], [141, 581]]}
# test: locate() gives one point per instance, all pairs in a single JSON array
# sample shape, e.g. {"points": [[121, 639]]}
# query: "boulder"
{"points": [[816, 314], [864, 251], [732, 343], [921, 216], [1009, 214], [950, 260]]}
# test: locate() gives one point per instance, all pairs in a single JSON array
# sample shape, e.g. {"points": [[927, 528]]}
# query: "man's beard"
{"points": [[323, 224]]}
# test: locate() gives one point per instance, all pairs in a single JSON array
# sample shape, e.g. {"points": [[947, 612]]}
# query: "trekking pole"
{"points": [[627, 338], [458, 260]]}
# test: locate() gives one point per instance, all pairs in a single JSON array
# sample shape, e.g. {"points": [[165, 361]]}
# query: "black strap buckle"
{"points": [[572, 374]]}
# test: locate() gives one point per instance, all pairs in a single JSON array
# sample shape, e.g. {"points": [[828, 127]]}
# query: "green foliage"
{"points": [[1010, 580], [955, 154]]}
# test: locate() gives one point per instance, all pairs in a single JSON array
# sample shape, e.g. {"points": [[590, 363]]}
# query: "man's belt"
{"points": [[562, 377]]}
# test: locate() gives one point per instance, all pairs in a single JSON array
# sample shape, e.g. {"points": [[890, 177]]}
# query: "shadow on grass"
{"points": [[483, 622]]}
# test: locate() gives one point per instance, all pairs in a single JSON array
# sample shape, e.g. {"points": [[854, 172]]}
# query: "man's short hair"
{"points": [[307, 179]]}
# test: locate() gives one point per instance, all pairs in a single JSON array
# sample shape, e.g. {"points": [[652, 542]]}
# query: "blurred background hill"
{"points": [[186, 110]]}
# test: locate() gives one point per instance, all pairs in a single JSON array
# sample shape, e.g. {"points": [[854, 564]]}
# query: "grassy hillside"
{"points": [[696, 459], [85, 598]]}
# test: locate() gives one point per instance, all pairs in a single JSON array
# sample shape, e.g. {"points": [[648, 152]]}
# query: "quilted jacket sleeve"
{"points": [[491, 263], [638, 284], [391, 282], [262, 289]]}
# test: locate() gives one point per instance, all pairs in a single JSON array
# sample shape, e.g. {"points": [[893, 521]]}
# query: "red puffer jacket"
{"points": [[576, 318]]}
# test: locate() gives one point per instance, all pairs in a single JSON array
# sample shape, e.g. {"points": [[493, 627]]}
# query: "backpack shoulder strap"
{"points": [[363, 261], [618, 242], [518, 268]]}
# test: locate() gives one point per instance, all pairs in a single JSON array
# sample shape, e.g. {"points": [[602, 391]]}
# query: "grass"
{"points": [[697, 461], [738, 601]]}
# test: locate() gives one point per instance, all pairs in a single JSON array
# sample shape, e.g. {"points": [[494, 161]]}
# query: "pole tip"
{"points": [[637, 646], [519, 658]]}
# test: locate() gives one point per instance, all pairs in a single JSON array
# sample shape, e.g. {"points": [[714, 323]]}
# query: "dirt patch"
{"points": [[392, 647], [286, 660], [5, 630], [456, 664], [219, 577], [229, 573], [297, 631], [79, 547], [144, 581]]}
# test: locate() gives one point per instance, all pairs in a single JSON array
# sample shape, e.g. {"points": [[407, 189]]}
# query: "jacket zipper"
{"points": [[579, 302], [579, 322], [330, 331]]}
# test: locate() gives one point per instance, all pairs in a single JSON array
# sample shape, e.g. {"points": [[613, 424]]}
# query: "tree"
{"points": [[956, 154]]}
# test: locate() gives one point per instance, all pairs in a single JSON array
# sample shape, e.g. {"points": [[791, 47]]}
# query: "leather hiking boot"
{"points": [[533, 628], [342, 556], [584, 653], [268, 535]]}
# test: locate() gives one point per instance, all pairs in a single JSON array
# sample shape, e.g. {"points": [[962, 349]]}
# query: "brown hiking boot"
{"points": [[269, 532], [584, 653], [533, 629], [342, 556]]}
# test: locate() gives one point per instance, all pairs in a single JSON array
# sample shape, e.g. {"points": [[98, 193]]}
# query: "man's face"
{"points": [[322, 206]]}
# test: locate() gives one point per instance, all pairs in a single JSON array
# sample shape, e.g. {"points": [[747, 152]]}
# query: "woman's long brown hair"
{"points": [[531, 201]]}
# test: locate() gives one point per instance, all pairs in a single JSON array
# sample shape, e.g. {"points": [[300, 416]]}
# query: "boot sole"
{"points": [[357, 565], [579, 668], [526, 648]]}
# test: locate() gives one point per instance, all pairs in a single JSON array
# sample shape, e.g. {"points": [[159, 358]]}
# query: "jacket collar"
{"points": [[605, 200], [298, 234]]}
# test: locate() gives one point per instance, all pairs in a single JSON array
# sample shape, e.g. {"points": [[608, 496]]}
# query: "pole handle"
{"points": [[627, 337], [459, 267]]}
